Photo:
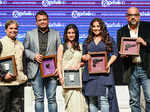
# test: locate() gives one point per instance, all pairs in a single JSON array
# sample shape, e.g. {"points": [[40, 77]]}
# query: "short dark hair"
{"points": [[41, 12], [9, 22]]}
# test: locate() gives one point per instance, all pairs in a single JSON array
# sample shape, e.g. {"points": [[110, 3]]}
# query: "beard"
{"points": [[133, 23]]}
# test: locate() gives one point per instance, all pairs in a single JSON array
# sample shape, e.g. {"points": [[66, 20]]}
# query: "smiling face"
{"points": [[96, 28], [12, 31], [42, 22], [133, 16], [71, 34]]}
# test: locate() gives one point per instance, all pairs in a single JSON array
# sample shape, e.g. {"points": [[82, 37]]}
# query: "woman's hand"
{"points": [[77, 66], [108, 68], [86, 57], [61, 80]]}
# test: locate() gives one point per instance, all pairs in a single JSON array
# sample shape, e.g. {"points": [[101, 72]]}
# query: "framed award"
{"points": [[129, 46], [48, 66], [97, 63], [8, 63], [72, 79]]}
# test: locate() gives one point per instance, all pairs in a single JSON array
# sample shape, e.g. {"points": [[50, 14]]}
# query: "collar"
{"points": [[43, 32], [137, 28], [9, 39]]}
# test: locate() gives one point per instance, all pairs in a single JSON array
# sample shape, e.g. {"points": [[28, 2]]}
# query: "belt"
{"points": [[71, 70]]}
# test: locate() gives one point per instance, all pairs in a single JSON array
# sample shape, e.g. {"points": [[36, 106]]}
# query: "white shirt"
{"points": [[134, 34]]}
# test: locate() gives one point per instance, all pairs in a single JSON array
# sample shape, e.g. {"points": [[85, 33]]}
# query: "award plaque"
{"points": [[129, 46], [8, 64], [48, 66], [97, 63], [72, 79]]}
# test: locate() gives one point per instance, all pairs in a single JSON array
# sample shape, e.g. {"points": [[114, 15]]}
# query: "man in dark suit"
{"points": [[136, 69], [40, 42]]}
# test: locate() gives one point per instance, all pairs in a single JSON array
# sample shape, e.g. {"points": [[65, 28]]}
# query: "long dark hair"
{"points": [[75, 43], [104, 33]]}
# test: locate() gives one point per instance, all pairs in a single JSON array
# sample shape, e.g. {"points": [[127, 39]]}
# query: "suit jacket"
{"points": [[124, 64], [31, 45]]}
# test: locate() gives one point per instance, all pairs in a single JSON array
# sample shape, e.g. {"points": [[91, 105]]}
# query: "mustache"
{"points": [[133, 19]]}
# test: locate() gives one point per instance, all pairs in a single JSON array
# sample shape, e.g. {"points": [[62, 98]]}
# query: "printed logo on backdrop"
{"points": [[107, 3], [56, 24], [117, 24], [145, 13], [47, 3], [17, 14], [3, 2], [83, 36], [21, 36], [77, 14]]}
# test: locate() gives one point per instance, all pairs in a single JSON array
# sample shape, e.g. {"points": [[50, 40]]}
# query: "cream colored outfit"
{"points": [[11, 47], [74, 99]]}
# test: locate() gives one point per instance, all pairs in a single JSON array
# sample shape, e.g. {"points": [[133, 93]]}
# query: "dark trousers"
{"points": [[11, 98]]}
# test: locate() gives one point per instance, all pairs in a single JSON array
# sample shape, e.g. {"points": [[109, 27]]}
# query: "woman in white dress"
{"points": [[69, 58]]}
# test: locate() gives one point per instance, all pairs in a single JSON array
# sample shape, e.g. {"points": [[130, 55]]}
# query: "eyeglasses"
{"points": [[130, 15]]}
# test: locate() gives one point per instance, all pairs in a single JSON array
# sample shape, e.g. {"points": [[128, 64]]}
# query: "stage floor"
{"points": [[122, 96]]}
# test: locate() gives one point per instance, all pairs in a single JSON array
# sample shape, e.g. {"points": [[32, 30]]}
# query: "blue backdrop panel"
{"points": [[63, 12]]}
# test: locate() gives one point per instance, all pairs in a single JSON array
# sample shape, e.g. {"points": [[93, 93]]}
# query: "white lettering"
{"points": [[17, 14], [47, 3], [56, 24], [76, 14], [107, 3]]}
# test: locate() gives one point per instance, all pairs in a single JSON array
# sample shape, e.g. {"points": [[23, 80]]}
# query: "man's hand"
{"points": [[38, 58], [141, 41], [8, 76]]}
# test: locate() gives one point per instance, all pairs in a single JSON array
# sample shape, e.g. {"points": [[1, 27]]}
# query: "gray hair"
{"points": [[9, 22]]}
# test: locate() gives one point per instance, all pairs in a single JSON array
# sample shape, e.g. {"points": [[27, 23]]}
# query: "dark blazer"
{"points": [[123, 65]]}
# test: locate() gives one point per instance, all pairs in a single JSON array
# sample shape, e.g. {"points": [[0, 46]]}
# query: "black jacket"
{"points": [[122, 67]]}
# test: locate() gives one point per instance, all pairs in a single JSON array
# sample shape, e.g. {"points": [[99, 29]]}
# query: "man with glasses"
{"points": [[136, 69]]}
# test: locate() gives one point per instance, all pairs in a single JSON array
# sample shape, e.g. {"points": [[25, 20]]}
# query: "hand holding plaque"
{"points": [[97, 63], [129, 46], [8, 64], [48, 66]]}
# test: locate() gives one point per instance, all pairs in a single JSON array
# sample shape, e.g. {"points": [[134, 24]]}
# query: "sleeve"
{"points": [[118, 39], [58, 42], [29, 54], [3, 72], [114, 47], [146, 34], [146, 38], [84, 48]]}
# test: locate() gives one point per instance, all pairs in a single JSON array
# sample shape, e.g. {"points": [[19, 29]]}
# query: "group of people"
{"points": [[98, 90]]}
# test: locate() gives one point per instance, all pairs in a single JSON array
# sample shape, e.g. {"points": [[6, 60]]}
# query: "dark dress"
{"points": [[94, 85]]}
